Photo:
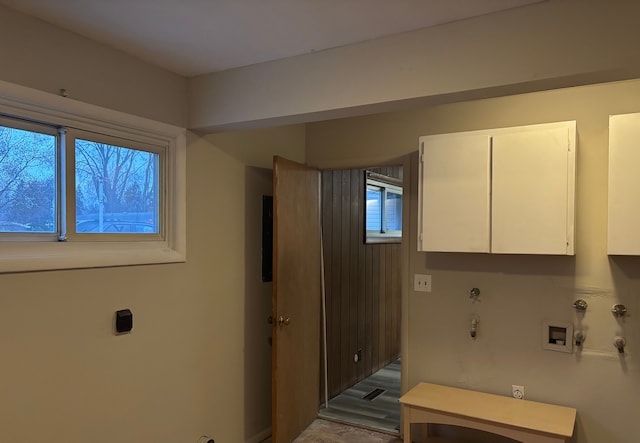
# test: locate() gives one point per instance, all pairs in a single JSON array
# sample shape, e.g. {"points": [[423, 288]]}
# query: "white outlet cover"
{"points": [[517, 392]]}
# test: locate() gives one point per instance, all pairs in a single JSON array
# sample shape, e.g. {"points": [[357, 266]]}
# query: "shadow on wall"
{"points": [[556, 265], [257, 308], [626, 266]]}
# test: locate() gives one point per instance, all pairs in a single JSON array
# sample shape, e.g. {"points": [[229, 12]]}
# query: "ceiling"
{"points": [[193, 37]]}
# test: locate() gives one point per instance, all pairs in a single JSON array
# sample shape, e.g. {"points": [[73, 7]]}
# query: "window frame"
{"points": [[27, 253], [386, 184], [71, 234]]}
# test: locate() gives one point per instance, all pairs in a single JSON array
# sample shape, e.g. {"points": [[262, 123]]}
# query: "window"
{"points": [[116, 189], [383, 217], [81, 191]]}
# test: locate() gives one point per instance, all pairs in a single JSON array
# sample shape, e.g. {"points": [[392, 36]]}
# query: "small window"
{"points": [[116, 188], [83, 186], [383, 216]]}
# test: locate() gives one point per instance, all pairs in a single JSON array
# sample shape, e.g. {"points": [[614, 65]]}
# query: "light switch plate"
{"points": [[422, 283]]}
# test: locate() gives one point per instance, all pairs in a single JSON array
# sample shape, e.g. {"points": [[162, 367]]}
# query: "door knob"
{"points": [[284, 321]]}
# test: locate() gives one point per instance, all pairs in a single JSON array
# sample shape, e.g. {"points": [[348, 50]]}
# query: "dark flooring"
{"points": [[382, 412]]}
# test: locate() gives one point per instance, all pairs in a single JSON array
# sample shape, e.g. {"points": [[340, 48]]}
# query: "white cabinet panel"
{"points": [[624, 184], [508, 190], [455, 193], [532, 191]]}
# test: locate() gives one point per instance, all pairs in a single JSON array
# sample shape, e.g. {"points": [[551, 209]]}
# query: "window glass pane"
{"points": [[374, 208], [117, 189], [27, 181], [383, 210], [393, 211]]}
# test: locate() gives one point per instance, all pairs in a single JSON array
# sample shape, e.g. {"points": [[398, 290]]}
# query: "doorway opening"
{"points": [[361, 223]]}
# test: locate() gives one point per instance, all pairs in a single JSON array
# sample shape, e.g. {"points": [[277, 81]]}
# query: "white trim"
{"points": [[34, 256]]}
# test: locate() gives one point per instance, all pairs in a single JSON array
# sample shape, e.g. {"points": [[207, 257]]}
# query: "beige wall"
{"points": [[198, 360], [41, 56], [518, 292], [67, 378], [258, 146]]}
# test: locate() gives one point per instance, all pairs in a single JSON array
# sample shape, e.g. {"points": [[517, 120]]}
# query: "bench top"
{"points": [[524, 414]]}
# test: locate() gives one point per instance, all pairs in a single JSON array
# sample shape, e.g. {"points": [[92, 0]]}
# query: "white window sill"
{"points": [[26, 257]]}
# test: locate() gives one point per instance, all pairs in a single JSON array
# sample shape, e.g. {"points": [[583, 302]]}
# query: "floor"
{"points": [[368, 412], [325, 431], [361, 406]]}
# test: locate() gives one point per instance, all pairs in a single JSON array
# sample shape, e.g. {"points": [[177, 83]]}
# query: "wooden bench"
{"points": [[521, 420]]}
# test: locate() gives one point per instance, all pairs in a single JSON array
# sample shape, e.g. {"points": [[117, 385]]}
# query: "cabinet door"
{"points": [[624, 185], [454, 193], [533, 188]]}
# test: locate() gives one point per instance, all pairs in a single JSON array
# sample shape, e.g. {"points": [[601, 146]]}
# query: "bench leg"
{"points": [[407, 424]]}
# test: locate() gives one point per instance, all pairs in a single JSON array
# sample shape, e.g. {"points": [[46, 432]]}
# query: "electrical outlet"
{"points": [[422, 283], [517, 392]]}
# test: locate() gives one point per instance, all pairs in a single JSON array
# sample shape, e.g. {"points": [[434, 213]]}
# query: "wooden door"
{"points": [[296, 298]]}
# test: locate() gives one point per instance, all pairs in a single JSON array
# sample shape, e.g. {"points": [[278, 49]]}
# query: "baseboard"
{"points": [[260, 437]]}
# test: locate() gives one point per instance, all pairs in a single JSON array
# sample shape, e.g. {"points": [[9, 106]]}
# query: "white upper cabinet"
{"points": [[454, 191], [533, 186], [624, 184], [508, 190]]}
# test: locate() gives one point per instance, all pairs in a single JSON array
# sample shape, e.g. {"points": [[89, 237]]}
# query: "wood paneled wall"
{"points": [[362, 283]]}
